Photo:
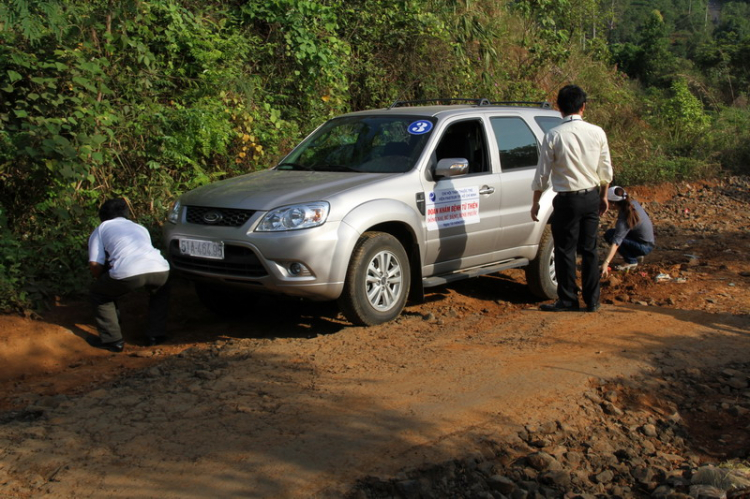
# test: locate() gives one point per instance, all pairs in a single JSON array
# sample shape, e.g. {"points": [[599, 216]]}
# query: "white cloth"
{"points": [[127, 246], [575, 156]]}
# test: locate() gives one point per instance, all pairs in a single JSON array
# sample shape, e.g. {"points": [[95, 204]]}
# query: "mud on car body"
{"points": [[373, 207]]}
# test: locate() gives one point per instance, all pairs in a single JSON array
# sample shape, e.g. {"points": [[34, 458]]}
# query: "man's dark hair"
{"points": [[113, 208], [571, 99]]}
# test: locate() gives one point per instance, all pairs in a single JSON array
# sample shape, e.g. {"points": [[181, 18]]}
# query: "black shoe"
{"points": [[152, 341], [559, 306], [112, 346], [593, 308]]}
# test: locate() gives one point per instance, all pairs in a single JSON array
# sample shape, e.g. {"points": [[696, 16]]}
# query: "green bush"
{"points": [[728, 139], [13, 275]]}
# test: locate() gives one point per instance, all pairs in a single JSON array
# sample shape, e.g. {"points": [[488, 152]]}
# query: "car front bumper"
{"points": [[267, 261]]}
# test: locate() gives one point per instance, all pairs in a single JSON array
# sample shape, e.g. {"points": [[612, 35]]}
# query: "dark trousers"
{"points": [[106, 290], [630, 249], [575, 223]]}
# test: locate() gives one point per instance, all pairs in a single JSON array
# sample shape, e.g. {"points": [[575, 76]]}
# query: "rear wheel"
{"points": [[224, 301], [377, 281], [540, 273]]}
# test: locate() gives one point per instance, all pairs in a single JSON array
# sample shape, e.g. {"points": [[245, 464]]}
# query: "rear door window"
{"points": [[546, 123], [516, 143]]}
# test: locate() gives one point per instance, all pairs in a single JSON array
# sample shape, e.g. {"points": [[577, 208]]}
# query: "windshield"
{"points": [[371, 144]]}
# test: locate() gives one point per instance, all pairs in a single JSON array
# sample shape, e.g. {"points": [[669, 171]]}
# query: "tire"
{"points": [[540, 273], [224, 301], [377, 281]]}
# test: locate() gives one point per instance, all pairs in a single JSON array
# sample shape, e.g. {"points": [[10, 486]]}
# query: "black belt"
{"points": [[575, 193]]}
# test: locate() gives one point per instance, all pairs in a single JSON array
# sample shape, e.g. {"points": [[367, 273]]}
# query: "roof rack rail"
{"points": [[542, 104], [477, 102], [446, 101]]}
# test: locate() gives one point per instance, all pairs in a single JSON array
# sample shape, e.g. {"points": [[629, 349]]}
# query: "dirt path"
{"points": [[291, 401]]}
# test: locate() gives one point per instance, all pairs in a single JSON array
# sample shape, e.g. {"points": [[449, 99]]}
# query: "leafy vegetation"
{"points": [[145, 99]]}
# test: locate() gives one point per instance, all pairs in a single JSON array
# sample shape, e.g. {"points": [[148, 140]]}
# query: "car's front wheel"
{"points": [[540, 273], [377, 281]]}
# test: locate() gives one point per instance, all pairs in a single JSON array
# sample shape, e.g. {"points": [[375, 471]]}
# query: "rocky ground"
{"points": [[473, 393], [679, 434]]}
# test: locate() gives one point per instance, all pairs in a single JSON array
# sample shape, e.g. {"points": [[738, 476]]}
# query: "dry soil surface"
{"points": [[292, 401]]}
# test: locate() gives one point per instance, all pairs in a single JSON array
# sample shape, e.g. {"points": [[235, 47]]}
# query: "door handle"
{"points": [[486, 189]]}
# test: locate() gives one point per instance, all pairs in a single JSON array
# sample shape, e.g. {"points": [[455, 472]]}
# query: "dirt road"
{"points": [[291, 401]]}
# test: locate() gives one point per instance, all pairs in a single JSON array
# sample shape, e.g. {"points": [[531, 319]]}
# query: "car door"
{"points": [[518, 150], [462, 212]]}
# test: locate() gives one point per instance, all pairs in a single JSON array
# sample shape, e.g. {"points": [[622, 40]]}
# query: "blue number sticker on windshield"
{"points": [[419, 127]]}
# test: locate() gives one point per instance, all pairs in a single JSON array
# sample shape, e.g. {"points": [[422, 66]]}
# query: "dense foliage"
{"points": [[148, 98]]}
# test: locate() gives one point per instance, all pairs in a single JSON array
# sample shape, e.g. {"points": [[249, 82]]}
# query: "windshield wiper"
{"points": [[293, 166], [335, 168]]}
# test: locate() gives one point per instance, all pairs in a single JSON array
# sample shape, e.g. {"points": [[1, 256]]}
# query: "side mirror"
{"points": [[451, 167]]}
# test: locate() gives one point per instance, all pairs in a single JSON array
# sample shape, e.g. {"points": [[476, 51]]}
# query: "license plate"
{"points": [[202, 249]]}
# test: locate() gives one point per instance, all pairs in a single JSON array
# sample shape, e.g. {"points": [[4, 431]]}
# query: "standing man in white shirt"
{"points": [[122, 259], [575, 160]]}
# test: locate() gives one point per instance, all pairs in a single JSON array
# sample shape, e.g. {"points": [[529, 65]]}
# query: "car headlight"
{"points": [[293, 217], [174, 213]]}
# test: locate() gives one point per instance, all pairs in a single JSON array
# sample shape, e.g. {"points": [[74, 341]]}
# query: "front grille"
{"points": [[228, 217], [238, 262]]}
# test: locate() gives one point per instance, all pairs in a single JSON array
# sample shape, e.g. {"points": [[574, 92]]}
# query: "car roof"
{"points": [[442, 111]]}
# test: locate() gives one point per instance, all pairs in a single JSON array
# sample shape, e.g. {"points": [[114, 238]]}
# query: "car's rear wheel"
{"points": [[377, 281], [540, 273], [224, 301]]}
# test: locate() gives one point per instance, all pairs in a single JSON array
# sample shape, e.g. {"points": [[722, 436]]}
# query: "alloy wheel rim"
{"points": [[552, 272], [383, 281]]}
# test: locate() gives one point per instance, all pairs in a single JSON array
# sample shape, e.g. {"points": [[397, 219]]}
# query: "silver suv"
{"points": [[372, 208]]}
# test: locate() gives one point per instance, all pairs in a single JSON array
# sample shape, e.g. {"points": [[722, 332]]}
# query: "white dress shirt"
{"points": [[128, 248], [575, 156]]}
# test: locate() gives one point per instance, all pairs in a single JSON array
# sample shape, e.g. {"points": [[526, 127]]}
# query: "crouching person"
{"points": [[633, 234], [122, 259]]}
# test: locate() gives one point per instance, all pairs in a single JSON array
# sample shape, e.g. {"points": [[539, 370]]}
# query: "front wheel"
{"points": [[540, 273], [377, 281]]}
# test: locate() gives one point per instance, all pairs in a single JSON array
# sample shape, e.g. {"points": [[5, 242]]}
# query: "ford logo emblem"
{"points": [[212, 217]]}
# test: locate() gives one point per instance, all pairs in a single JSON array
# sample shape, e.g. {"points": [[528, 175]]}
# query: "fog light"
{"points": [[294, 269]]}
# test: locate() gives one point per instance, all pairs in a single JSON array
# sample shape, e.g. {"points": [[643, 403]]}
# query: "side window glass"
{"points": [[516, 142], [465, 139], [546, 123]]}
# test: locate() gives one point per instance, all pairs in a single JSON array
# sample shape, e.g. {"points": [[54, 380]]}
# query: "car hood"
{"points": [[263, 191]]}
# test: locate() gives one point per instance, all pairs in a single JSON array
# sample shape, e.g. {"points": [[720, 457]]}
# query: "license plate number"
{"points": [[202, 249]]}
